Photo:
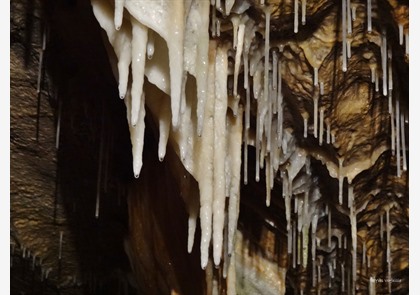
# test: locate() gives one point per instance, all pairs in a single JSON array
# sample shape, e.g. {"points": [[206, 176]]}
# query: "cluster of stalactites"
{"points": [[206, 121]]}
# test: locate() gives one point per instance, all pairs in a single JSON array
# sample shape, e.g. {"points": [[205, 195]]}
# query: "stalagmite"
{"points": [[296, 16]]}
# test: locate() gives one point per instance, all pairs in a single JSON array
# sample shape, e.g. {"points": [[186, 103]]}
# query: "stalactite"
{"points": [[402, 123], [397, 128], [344, 35], [401, 33], [349, 19], [315, 117], [384, 57], [303, 12], [321, 125], [296, 16], [369, 16], [60, 245]]}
